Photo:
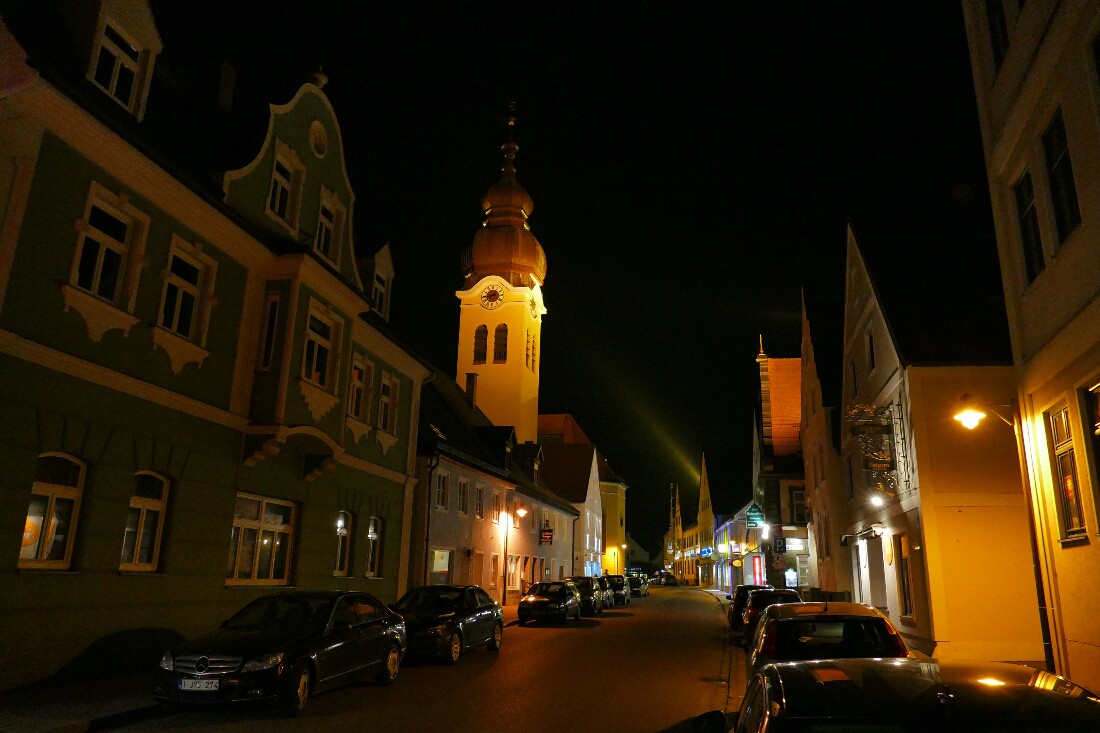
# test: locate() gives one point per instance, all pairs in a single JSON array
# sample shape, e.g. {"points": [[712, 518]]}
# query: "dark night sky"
{"points": [[691, 165]]}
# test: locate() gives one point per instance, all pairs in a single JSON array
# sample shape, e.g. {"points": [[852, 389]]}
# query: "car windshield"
{"points": [[834, 639], [289, 613], [584, 584], [547, 589], [437, 600]]}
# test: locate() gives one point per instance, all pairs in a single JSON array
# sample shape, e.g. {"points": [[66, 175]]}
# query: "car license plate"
{"points": [[203, 685]]}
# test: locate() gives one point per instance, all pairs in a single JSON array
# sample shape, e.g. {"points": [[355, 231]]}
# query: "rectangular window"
{"points": [[513, 575], [102, 252], [52, 513], [318, 347], [463, 496], [869, 339], [798, 506], [359, 387], [378, 294], [905, 575], [389, 391], [494, 570], [374, 548], [442, 488], [479, 502], [271, 322], [144, 523], [330, 226], [855, 380], [496, 507], [1063, 191], [259, 542], [1031, 241], [343, 544], [117, 65], [284, 194], [1067, 486]]}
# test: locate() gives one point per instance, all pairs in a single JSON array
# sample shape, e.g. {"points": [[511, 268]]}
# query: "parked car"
{"points": [[912, 695], [608, 594], [638, 586], [591, 593], [802, 631], [669, 579], [283, 648], [619, 588], [447, 620], [736, 609], [559, 599], [755, 604]]}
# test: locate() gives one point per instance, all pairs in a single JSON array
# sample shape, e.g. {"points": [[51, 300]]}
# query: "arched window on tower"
{"points": [[481, 343], [500, 344]]}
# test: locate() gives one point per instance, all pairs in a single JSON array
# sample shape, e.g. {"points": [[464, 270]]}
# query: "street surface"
{"points": [[651, 666]]}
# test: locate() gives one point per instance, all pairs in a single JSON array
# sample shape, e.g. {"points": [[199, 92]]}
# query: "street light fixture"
{"points": [[970, 415]]}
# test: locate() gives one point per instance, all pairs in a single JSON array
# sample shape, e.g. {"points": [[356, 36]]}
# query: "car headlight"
{"points": [[167, 662], [437, 630], [265, 662]]}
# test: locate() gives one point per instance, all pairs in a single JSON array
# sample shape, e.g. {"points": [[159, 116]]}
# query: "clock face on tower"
{"points": [[492, 297]]}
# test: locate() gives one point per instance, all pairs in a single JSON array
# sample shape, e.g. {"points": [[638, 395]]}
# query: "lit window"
{"points": [[343, 543], [440, 571], [479, 502], [52, 513], [500, 343], [481, 343], [144, 523], [374, 548], [1067, 489], [259, 542]]}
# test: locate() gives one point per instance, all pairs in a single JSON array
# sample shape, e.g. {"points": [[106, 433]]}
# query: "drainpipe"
{"points": [[432, 464]]}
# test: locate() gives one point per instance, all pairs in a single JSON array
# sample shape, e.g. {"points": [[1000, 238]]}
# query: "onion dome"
{"points": [[504, 245]]}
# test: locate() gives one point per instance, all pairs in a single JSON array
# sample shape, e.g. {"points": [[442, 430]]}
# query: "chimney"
{"points": [[471, 388]]}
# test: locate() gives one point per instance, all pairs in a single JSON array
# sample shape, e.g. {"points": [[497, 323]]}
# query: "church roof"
{"points": [[505, 246]]}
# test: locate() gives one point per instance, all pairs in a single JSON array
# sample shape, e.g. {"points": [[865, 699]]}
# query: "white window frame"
{"points": [[330, 230], [240, 524], [497, 507], [345, 529], [201, 292], [122, 59], [331, 345], [130, 252], [442, 491], [389, 399], [52, 492], [144, 505], [360, 388], [463, 496], [479, 502], [379, 293], [291, 184]]}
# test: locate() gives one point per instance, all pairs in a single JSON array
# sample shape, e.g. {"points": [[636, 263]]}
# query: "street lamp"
{"points": [[970, 416]]}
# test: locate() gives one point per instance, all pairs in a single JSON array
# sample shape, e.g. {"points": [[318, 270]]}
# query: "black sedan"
{"points": [[551, 600], [447, 620], [283, 648], [907, 695]]}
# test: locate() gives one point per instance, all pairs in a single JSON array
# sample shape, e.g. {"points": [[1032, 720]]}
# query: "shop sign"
{"points": [[706, 552], [754, 516], [546, 536], [878, 463]]}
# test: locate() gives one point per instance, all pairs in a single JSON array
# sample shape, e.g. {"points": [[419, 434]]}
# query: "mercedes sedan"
{"points": [[284, 647], [447, 620]]}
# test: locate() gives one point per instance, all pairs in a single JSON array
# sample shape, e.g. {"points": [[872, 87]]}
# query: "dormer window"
{"points": [[285, 192], [378, 295], [123, 52]]}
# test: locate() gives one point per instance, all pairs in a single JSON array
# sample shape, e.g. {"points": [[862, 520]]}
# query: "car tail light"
{"points": [[750, 615], [894, 643], [771, 639]]}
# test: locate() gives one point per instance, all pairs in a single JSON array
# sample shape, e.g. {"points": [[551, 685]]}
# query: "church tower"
{"points": [[501, 308]]}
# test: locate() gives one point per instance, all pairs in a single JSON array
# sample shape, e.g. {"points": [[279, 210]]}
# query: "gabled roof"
{"points": [[606, 474], [450, 425], [566, 470], [560, 428], [730, 484]]}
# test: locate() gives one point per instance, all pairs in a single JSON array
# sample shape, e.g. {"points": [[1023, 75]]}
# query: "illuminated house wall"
{"points": [[1040, 79]]}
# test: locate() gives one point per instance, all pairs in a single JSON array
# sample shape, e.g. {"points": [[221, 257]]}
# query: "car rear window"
{"points": [[807, 638], [760, 599]]}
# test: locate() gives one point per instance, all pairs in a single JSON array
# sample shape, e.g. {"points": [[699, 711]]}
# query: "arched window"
{"points": [[500, 343], [52, 513], [481, 343], [144, 522], [374, 548], [343, 543]]}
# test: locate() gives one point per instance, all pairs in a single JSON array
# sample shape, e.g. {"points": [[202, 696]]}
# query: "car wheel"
{"points": [[296, 692], [454, 648], [496, 639], [391, 665]]}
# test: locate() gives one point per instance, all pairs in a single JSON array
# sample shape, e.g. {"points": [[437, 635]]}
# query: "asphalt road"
{"points": [[651, 666]]}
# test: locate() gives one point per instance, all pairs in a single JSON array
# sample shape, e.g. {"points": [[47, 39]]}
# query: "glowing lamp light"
{"points": [[970, 418], [991, 682], [765, 530], [723, 548], [521, 512], [877, 501]]}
